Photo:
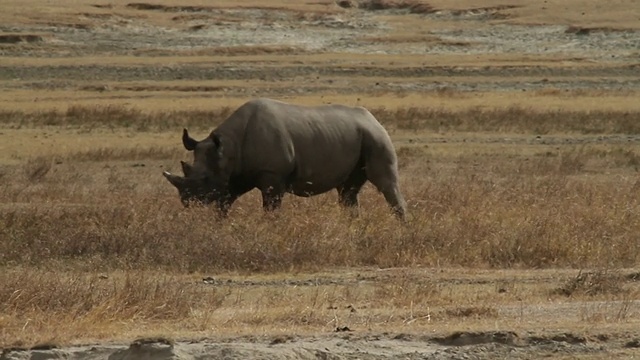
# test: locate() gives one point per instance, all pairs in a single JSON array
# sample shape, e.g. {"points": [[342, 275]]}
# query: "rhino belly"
{"points": [[309, 182], [309, 188]]}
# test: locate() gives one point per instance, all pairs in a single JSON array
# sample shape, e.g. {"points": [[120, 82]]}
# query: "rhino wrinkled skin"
{"points": [[284, 148]]}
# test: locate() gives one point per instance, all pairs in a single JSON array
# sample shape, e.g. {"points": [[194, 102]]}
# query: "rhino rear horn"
{"points": [[218, 143], [177, 181], [188, 142], [186, 168], [216, 140]]}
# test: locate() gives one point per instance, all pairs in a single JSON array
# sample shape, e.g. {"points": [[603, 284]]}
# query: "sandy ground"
{"points": [[464, 345], [469, 50]]}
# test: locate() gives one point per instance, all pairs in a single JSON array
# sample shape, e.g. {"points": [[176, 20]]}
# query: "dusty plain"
{"points": [[517, 126]]}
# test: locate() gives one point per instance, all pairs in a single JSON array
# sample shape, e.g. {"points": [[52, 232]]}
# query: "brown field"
{"points": [[517, 126]]}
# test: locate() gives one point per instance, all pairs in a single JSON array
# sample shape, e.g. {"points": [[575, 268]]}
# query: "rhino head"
{"points": [[203, 182]]}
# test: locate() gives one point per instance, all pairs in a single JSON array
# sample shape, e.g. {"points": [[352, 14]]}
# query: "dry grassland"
{"points": [[523, 205]]}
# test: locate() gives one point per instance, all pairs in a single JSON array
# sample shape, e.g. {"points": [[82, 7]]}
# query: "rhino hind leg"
{"points": [[349, 190]]}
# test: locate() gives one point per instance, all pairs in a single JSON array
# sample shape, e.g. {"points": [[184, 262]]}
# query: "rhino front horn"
{"points": [[177, 181], [188, 142]]}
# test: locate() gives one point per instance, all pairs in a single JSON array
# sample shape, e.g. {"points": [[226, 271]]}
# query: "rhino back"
{"points": [[318, 147]]}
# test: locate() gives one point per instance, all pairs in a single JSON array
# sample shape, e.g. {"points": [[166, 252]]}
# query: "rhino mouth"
{"points": [[194, 191]]}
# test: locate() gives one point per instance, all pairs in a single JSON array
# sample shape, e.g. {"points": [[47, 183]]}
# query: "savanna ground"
{"points": [[517, 125]]}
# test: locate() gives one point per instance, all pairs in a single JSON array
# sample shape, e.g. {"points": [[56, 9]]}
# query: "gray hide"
{"points": [[279, 148]]}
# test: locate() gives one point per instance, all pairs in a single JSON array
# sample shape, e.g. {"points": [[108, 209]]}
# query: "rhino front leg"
{"points": [[396, 201], [384, 177], [272, 192], [271, 200], [225, 205]]}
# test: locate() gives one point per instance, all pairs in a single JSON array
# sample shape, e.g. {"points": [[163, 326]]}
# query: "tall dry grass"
{"points": [[53, 308], [543, 211]]}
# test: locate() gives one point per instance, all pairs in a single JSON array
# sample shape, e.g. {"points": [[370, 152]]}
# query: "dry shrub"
{"points": [[475, 312], [166, 8], [582, 30], [569, 161], [618, 156], [414, 6], [406, 291], [18, 38], [346, 4], [37, 168], [600, 282]]}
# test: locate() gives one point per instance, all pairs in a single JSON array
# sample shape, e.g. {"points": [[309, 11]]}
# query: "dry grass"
{"points": [[545, 209], [103, 248], [89, 117], [37, 308], [514, 119]]}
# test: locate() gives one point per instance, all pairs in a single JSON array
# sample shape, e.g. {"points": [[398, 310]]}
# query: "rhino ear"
{"points": [[177, 181], [188, 142], [186, 168]]}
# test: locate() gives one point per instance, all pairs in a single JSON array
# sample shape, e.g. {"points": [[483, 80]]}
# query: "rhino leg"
{"points": [[396, 200], [272, 190], [349, 190], [271, 201], [225, 204], [384, 176]]}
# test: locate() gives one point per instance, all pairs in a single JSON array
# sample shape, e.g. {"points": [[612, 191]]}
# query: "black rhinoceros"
{"points": [[279, 148]]}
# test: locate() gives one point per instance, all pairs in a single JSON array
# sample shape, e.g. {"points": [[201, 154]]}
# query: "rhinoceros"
{"points": [[281, 148]]}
